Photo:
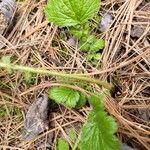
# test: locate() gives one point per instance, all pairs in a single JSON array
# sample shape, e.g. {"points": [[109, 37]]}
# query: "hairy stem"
{"points": [[55, 73]]}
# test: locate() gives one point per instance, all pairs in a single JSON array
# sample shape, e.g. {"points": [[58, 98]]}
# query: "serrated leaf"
{"points": [[62, 144], [85, 47], [7, 60], [95, 56], [82, 101], [98, 56], [76, 33], [98, 132], [97, 45], [28, 76], [71, 12], [64, 95]]}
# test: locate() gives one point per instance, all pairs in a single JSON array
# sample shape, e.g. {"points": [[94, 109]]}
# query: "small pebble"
{"points": [[72, 42], [137, 31], [106, 21], [126, 147]]}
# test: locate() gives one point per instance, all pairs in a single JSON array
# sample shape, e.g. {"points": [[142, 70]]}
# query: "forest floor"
{"points": [[33, 41]]}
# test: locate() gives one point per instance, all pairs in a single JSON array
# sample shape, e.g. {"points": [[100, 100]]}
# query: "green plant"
{"points": [[7, 60], [7, 110], [75, 15], [98, 133], [67, 96], [102, 127], [62, 144], [72, 134], [79, 77]]}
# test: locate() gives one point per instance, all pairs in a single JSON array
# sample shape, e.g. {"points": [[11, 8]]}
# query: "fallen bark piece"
{"points": [[44, 142], [3, 23], [7, 9], [36, 118], [72, 41]]}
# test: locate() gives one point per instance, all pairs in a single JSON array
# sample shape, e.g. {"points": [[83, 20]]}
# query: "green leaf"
{"points": [[71, 12], [98, 132], [82, 101], [91, 43], [76, 33], [72, 134], [95, 56], [7, 60], [97, 45], [28, 76], [89, 57], [91, 39], [98, 56], [64, 95], [62, 144], [85, 47]]}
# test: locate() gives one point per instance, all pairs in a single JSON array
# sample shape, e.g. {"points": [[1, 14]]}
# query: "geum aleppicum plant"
{"points": [[75, 14], [98, 133]]}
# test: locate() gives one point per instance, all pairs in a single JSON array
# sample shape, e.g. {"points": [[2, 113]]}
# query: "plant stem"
{"points": [[55, 73]]}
